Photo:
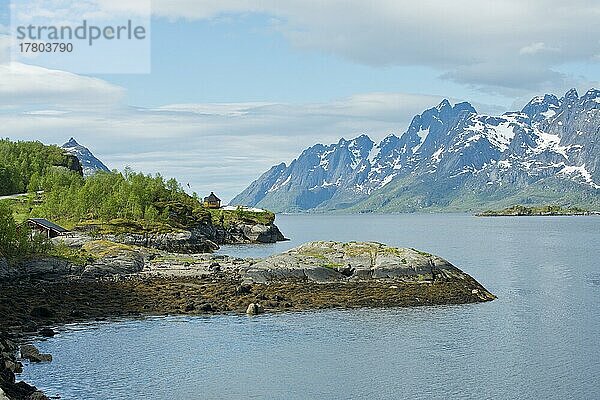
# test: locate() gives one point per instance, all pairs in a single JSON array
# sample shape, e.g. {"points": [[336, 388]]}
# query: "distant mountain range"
{"points": [[88, 161], [451, 158]]}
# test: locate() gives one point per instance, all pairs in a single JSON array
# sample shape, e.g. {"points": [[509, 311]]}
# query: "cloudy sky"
{"points": [[237, 86]]}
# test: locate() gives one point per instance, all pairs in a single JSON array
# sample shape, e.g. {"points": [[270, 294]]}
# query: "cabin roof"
{"points": [[212, 197], [47, 224]]}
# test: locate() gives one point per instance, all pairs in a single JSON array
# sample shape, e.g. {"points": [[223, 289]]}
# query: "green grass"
{"points": [[73, 255], [121, 226], [103, 248], [231, 217], [332, 265]]}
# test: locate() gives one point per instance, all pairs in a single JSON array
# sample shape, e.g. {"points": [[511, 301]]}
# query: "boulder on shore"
{"points": [[31, 353], [254, 309]]}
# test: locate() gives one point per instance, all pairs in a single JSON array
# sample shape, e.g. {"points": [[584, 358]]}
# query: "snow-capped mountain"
{"points": [[450, 157], [88, 161]]}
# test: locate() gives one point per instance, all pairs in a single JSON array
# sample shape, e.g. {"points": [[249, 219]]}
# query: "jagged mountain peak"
{"points": [[449, 154], [443, 104], [88, 161], [570, 98], [446, 108], [71, 143], [571, 94], [591, 95]]}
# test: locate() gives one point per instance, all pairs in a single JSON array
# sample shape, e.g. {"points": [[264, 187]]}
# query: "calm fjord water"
{"points": [[539, 339]]}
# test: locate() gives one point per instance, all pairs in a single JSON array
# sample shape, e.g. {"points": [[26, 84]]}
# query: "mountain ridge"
{"points": [[449, 158]]}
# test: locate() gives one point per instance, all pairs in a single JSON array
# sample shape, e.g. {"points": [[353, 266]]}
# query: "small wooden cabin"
{"points": [[41, 226], [212, 201]]}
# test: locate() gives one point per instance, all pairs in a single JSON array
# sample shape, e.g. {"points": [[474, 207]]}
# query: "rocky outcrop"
{"points": [[193, 241], [9, 366], [113, 259], [334, 261], [125, 281], [31, 353], [249, 233], [46, 267], [204, 238]]}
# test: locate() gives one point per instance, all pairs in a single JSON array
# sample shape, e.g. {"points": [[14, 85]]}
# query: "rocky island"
{"points": [[522, 211], [121, 280]]}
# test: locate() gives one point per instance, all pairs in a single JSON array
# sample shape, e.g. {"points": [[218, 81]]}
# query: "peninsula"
{"points": [[115, 280]]}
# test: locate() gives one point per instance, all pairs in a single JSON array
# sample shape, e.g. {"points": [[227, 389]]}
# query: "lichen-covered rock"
{"points": [[113, 259], [334, 261]]}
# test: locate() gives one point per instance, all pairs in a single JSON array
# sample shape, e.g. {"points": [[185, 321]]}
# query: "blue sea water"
{"points": [[538, 340]]}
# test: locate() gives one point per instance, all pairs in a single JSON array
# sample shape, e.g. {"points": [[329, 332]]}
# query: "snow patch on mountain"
{"points": [[89, 162], [448, 145]]}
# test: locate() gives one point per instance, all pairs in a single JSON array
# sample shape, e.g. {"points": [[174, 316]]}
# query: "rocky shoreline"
{"points": [[317, 275], [203, 238]]}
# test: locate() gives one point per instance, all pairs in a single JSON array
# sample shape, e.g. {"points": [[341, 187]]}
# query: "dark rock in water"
{"points": [[47, 332], [42, 312], [77, 314], [38, 396], [207, 307], [31, 353], [346, 271], [21, 390]]}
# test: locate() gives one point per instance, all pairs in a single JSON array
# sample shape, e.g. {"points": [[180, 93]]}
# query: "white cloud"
{"points": [[537, 47], [223, 146], [28, 86], [478, 42]]}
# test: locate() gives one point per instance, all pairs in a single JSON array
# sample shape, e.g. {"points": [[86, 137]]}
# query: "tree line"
{"points": [[23, 164]]}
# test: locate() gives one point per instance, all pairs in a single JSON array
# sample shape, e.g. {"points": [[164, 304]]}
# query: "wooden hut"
{"points": [[212, 201], [44, 227]]}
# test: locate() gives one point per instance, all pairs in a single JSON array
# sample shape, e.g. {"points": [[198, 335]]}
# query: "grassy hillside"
{"points": [[107, 202]]}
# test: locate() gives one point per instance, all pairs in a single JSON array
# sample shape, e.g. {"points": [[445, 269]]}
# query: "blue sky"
{"points": [[237, 86], [243, 58]]}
